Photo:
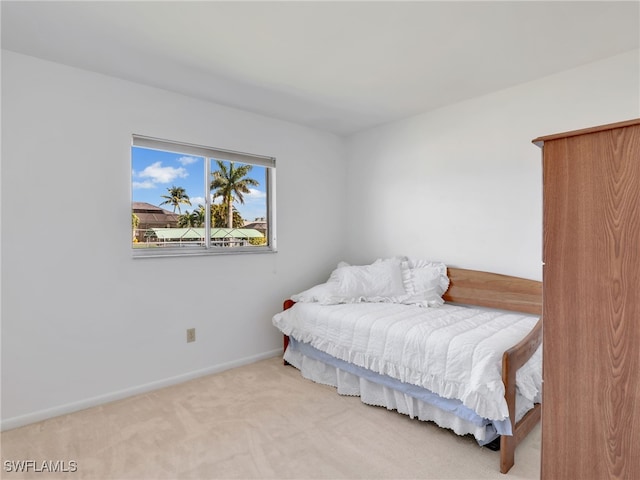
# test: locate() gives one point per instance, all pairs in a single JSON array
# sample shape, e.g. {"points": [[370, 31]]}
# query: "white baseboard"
{"points": [[15, 422]]}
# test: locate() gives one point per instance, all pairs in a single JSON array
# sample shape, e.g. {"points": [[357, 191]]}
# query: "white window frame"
{"points": [[209, 154]]}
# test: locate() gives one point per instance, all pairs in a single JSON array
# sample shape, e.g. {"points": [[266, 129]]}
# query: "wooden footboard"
{"points": [[512, 360], [509, 293]]}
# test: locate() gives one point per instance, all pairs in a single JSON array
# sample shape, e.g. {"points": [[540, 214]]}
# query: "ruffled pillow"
{"points": [[324, 293], [379, 282], [392, 280], [425, 282], [382, 278]]}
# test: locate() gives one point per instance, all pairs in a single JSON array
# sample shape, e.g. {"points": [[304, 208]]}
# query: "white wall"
{"points": [[83, 322], [463, 184]]}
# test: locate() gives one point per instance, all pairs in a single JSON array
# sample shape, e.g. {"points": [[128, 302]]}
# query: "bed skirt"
{"points": [[376, 390]]}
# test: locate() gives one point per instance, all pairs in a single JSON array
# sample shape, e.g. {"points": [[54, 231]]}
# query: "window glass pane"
{"points": [[168, 200], [239, 216]]}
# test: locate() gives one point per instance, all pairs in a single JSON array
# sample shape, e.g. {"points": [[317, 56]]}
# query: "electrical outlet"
{"points": [[191, 335]]}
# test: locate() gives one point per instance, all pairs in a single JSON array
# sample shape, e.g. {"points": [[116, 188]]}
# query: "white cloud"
{"points": [[255, 194], [159, 174], [145, 184], [255, 205], [187, 160], [195, 201]]}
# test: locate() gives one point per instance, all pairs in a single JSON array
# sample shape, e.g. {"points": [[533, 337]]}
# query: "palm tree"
{"points": [[135, 222], [188, 219], [177, 196], [229, 182], [199, 215], [219, 217]]}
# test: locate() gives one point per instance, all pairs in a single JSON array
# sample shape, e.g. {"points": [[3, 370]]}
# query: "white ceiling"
{"points": [[338, 66]]}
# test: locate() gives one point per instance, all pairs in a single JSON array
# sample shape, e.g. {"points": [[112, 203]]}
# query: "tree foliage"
{"points": [[220, 217], [230, 183], [190, 219], [177, 196]]}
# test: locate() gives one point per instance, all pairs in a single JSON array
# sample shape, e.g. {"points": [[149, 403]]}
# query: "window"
{"points": [[193, 200]]}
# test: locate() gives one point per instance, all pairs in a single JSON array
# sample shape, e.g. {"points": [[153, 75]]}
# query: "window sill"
{"points": [[198, 252]]}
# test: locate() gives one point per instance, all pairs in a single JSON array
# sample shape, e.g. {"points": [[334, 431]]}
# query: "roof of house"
{"points": [[153, 216], [260, 225]]}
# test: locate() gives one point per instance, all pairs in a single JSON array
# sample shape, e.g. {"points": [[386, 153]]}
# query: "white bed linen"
{"points": [[372, 393], [375, 390], [453, 351]]}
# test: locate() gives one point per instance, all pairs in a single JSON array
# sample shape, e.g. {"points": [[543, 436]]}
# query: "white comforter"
{"points": [[453, 351]]}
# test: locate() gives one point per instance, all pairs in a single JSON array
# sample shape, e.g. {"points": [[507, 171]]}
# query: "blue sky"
{"points": [[154, 171]]}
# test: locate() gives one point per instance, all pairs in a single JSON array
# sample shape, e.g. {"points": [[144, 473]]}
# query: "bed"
{"points": [[460, 348]]}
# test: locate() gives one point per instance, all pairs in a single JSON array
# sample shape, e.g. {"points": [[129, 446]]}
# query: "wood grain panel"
{"points": [[494, 290], [591, 292]]}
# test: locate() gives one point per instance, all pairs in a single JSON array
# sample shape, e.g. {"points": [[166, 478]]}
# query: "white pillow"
{"points": [[382, 278], [379, 282], [324, 293], [425, 281]]}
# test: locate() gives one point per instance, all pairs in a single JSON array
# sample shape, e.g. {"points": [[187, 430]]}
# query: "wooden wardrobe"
{"points": [[591, 303]]}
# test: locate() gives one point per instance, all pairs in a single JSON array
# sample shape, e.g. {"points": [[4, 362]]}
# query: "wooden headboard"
{"points": [[494, 290]]}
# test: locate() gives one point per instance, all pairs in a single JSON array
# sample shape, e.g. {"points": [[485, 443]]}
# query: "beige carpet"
{"points": [[258, 421]]}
